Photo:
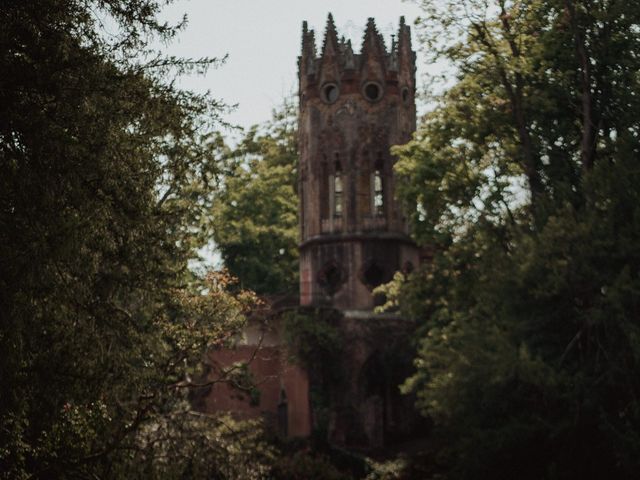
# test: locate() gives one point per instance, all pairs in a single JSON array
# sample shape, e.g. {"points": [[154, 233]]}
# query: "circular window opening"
{"points": [[372, 91], [373, 275], [405, 94], [330, 92], [331, 278]]}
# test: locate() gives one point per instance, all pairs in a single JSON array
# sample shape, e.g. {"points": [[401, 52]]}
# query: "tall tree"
{"points": [[525, 183], [106, 170], [256, 213]]}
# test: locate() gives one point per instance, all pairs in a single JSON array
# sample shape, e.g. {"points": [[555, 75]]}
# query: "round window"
{"points": [[331, 277], [373, 275], [330, 92], [372, 91]]}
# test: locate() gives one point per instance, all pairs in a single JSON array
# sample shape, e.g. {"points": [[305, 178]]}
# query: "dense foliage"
{"points": [[255, 215], [526, 184], [106, 173]]}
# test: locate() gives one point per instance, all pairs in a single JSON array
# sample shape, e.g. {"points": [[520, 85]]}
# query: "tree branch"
{"points": [[589, 124]]}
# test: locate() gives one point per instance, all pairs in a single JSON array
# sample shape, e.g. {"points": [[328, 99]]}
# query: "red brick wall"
{"points": [[272, 373]]}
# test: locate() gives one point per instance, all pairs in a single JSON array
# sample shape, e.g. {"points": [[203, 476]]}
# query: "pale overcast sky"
{"points": [[262, 39]]}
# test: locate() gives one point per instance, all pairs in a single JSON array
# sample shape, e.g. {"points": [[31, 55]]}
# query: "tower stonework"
{"points": [[353, 108], [354, 236]]}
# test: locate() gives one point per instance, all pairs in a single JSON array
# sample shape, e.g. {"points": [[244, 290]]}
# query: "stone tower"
{"points": [[353, 108]]}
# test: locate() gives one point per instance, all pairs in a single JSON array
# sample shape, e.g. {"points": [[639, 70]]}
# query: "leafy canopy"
{"points": [[255, 216], [106, 174], [525, 185]]}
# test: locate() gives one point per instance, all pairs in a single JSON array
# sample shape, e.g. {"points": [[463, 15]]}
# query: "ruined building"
{"points": [[353, 238]]}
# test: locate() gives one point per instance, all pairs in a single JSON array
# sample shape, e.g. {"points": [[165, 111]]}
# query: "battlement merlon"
{"points": [[337, 60]]}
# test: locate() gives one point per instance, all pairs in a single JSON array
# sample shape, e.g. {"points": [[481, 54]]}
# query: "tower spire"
{"points": [[404, 38], [349, 58], [372, 42], [306, 62], [330, 45], [373, 52], [329, 63], [406, 56]]}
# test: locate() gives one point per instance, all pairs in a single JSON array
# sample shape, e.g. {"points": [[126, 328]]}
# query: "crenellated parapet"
{"points": [[337, 70]]}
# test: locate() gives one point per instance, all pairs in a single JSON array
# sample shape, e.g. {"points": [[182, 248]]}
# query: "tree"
{"points": [[256, 213], [106, 170], [525, 184]]}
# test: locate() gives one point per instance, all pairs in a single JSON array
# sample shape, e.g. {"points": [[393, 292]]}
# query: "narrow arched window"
{"points": [[378, 193], [337, 190], [325, 189]]}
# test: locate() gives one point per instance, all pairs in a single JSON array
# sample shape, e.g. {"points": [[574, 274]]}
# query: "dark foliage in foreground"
{"points": [[106, 171], [526, 182]]}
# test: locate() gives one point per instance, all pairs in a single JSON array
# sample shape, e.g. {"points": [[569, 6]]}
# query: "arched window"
{"points": [[337, 190], [325, 189], [378, 193]]}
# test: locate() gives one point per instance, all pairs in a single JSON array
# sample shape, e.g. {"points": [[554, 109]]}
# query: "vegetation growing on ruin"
{"points": [[315, 342]]}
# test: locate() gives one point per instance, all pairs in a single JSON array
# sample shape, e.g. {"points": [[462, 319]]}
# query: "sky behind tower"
{"points": [[262, 40]]}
